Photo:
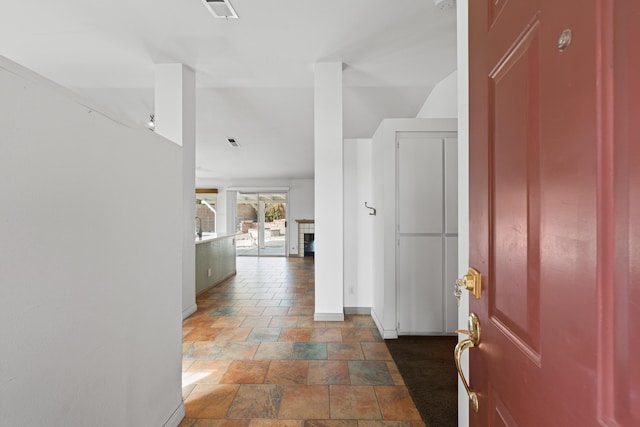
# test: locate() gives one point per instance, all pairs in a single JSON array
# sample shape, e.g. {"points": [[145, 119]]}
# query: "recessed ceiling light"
{"points": [[221, 8]]}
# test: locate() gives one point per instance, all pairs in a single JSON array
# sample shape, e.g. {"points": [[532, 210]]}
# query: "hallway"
{"points": [[254, 357]]}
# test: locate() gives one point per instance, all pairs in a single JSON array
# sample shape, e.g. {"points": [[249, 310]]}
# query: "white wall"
{"points": [[90, 263], [358, 225], [443, 99]]}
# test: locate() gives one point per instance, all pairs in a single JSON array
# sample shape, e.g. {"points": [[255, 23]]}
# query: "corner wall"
{"points": [[90, 301], [359, 234]]}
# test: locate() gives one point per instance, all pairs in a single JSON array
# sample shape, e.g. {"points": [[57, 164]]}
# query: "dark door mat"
{"points": [[429, 372]]}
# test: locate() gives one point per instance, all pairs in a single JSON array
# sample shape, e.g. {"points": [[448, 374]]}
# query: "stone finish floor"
{"points": [[254, 357]]}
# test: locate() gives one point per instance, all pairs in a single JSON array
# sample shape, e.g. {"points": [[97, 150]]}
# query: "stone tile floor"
{"points": [[254, 357]]}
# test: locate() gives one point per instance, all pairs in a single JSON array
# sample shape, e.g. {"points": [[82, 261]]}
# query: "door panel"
{"points": [[501, 415], [515, 183], [420, 185], [420, 290], [451, 186], [427, 234], [495, 7], [273, 236], [535, 159]]}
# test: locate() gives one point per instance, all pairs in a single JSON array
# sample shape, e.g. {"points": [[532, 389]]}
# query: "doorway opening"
{"points": [[261, 224]]}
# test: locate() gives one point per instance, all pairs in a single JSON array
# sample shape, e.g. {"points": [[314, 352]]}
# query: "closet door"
{"points": [[426, 233]]}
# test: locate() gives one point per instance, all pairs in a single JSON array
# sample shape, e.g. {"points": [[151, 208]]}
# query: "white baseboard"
{"points": [[189, 311], [390, 334], [217, 282], [328, 317], [177, 416], [386, 334], [364, 311]]}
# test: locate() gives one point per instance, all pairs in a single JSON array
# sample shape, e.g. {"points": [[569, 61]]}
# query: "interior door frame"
{"points": [[462, 30]]}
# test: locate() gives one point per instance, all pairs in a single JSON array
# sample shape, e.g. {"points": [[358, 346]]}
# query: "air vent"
{"points": [[221, 8], [232, 142]]}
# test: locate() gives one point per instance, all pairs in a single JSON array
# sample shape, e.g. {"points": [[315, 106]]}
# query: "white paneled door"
{"points": [[427, 233]]}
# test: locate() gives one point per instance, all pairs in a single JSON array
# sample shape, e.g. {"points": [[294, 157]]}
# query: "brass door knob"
{"points": [[472, 341]]}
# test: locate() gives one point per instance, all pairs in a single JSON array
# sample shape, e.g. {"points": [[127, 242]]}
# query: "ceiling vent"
{"points": [[232, 142], [221, 8]]}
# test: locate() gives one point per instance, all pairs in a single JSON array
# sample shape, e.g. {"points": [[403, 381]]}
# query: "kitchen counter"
{"points": [[207, 237]]}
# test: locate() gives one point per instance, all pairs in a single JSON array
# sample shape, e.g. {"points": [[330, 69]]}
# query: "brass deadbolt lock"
{"points": [[472, 281]]}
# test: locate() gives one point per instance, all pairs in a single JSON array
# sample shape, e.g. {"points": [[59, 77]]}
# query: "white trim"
{"points": [[189, 311], [365, 311], [377, 321], [328, 317], [385, 334], [463, 187], [389, 334], [177, 416]]}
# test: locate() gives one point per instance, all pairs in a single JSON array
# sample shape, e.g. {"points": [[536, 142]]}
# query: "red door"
{"points": [[555, 211]]}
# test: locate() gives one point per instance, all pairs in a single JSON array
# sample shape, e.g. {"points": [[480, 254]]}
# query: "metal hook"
{"points": [[369, 207]]}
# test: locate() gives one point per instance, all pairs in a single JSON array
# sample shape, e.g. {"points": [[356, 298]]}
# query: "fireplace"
{"points": [[309, 247], [306, 237]]}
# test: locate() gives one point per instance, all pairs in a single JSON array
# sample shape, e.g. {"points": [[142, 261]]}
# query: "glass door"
{"points": [[261, 223]]}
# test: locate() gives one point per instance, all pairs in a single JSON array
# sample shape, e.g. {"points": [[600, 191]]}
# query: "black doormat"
{"points": [[429, 371]]}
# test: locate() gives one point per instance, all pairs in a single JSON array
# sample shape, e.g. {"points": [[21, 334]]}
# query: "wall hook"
{"points": [[369, 207]]}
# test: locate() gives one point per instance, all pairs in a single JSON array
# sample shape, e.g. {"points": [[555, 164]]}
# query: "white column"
{"points": [[175, 117], [329, 223], [231, 201]]}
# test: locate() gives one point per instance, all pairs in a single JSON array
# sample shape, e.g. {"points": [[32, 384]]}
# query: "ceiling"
{"points": [[254, 74]]}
